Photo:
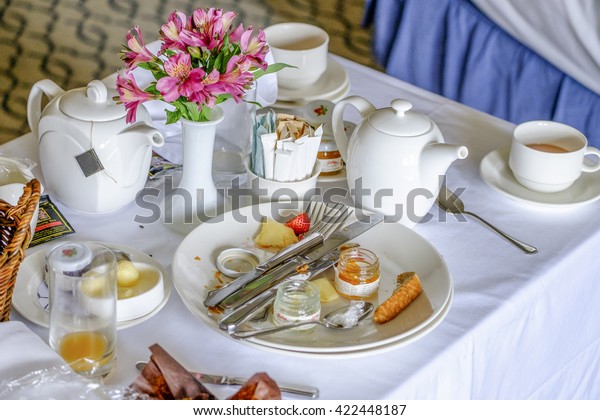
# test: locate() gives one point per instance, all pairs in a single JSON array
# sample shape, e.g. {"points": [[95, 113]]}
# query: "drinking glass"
{"points": [[83, 306], [234, 139]]}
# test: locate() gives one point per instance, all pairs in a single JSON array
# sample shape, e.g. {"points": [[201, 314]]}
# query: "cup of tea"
{"points": [[301, 45], [82, 282], [548, 156]]}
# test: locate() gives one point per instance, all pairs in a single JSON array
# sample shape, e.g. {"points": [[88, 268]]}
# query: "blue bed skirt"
{"points": [[451, 48]]}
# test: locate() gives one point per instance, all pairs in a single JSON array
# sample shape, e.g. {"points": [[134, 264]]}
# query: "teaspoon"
{"points": [[448, 201], [340, 319]]}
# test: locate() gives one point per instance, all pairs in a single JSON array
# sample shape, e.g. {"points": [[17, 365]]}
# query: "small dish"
{"points": [[234, 262], [30, 296], [266, 190], [496, 173], [141, 298]]}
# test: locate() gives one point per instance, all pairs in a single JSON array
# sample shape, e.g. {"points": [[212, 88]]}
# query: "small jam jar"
{"points": [[297, 301], [330, 158], [357, 273]]}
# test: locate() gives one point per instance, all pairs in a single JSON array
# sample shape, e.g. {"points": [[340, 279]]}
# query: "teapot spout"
{"points": [[437, 157], [154, 136]]}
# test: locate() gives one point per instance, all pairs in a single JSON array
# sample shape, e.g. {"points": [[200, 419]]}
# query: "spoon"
{"points": [[448, 201], [342, 318]]}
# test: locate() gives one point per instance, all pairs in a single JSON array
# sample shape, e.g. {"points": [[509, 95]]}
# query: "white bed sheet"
{"points": [[564, 32]]}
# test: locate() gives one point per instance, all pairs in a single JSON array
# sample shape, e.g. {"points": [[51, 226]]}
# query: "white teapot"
{"points": [[91, 159], [395, 158]]}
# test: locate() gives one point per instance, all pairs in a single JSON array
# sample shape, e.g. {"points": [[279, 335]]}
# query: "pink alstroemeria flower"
{"points": [[170, 32], [136, 51], [182, 79], [207, 95], [255, 48], [131, 95], [210, 27], [236, 79]]}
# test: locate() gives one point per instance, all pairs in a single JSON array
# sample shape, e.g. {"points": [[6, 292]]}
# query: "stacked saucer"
{"points": [[333, 85]]}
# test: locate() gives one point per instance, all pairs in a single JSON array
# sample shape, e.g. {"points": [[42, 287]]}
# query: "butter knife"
{"points": [[215, 297], [204, 378]]}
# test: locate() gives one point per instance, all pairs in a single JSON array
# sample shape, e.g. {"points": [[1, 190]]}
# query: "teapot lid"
{"points": [[91, 104], [399, 120]]}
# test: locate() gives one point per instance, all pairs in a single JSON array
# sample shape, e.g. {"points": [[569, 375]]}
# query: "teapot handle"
{"points": [[34, 102], [337, 118]]}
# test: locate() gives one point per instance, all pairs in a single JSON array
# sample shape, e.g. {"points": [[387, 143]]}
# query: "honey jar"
{"points": [[330, 157], [357, 273]]}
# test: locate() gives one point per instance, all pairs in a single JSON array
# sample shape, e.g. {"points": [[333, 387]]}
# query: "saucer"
{"points": [[497, 174], [30, 296], [339, 177], [332, 83]]}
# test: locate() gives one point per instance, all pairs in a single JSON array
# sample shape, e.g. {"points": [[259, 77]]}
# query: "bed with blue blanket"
{"points": [[519, 60]]}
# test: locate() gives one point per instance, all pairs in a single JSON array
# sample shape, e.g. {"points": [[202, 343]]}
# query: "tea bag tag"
{"points": [[89, 163]]}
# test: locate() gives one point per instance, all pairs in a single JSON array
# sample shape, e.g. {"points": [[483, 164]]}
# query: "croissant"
{"points": [[409, 287]]}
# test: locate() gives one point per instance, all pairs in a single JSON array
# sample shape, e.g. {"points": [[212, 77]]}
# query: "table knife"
{"points": [[214, 297], [281, 272], [204, 378]]}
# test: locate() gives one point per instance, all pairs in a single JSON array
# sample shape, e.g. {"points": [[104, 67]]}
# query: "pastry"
{"points": [[409, 287]]}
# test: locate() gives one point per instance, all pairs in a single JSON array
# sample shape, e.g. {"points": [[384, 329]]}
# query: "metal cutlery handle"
{"points": [[253, 333], [262, 283], [245, 312], [303, 390], [301, 247], [519, 244], [215, 297]]}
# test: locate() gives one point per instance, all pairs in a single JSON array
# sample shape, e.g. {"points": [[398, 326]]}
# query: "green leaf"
{"points": [[271, 69], [206, 113], [172, 116], [192, 111]]}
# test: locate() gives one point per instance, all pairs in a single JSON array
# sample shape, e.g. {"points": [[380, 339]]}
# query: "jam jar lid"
{"points": [[328, 145], [234, 262], [70, 257]]}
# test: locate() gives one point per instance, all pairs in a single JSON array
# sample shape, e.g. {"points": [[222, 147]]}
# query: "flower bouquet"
{"points": [[203, 60]]}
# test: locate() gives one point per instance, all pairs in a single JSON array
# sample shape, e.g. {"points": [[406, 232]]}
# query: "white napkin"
{"points": [[23, 351], [31, 370]]}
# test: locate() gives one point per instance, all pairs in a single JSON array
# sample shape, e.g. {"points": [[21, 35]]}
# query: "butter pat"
{"points": [[326, 290], [127, 274]]}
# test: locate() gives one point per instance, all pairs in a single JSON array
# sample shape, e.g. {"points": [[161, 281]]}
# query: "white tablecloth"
{"points": [[521, 326]]}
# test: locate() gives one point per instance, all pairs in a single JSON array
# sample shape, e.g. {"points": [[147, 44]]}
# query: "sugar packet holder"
{"points": [[284, 157]]}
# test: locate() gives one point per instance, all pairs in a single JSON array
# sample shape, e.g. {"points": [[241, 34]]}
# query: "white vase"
{"points": [[196, 198]]}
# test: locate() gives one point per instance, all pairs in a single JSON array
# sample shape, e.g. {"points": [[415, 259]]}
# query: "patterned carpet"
{"points": [[74, 41]]}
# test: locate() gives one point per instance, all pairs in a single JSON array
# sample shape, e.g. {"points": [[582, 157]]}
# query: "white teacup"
{"points": [[301, 45], [548, 156]]}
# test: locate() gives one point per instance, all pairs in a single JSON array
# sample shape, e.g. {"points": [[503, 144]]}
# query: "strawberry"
{"points": [[300, 223]]}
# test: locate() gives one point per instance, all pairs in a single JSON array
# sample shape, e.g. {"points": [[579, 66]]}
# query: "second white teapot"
{"points": [[394, 158]]}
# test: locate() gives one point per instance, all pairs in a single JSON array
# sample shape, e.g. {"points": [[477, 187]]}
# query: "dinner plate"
{"points": [[388, 346], [30, 298], [398, 248], [497, 174]]}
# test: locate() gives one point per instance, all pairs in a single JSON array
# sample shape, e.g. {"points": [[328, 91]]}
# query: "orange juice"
{"points": [[83, 350]]}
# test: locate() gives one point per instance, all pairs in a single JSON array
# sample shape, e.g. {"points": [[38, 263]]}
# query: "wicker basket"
{"points": [[15, 235]]}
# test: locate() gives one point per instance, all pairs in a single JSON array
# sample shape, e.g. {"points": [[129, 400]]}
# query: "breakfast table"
{"points": [[519, 326]]}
